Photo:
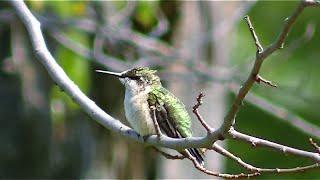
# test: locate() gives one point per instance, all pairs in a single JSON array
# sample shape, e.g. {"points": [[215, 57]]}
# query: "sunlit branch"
{"points": [[257, 142], [63, 81]]}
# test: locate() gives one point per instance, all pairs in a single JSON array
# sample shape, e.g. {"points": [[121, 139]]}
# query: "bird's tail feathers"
{"points": [[196, 154]]}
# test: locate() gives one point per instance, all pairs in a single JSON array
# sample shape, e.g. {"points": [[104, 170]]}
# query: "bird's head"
{"points": [[136, 78]]}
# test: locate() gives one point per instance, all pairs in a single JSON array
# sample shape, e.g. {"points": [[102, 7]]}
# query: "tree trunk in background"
{"points": [[214, 107], [25, 113], [200, 22], [186, 87]]}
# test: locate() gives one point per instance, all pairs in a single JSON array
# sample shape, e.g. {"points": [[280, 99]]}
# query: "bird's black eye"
{"points": [[135, 71], [135, 77]]}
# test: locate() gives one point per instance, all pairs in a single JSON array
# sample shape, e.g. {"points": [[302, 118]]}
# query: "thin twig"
{"points": [[315, 145], [226, 176], [226, 153], [311, 3], [279, 43], [254, 35], [249, 167], [259, 47], [255, 142], [199, 117], [260, 79]]}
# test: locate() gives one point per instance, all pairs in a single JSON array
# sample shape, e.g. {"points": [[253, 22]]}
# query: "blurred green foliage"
{"points": [[145, 14]]}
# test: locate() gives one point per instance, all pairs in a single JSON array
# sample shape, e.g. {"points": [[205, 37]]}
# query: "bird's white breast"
{"points": [[138, 113]]}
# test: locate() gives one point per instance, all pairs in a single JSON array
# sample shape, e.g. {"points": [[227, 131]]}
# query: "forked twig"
{"points": [[199, 117], [315, 145], [254, 35]]}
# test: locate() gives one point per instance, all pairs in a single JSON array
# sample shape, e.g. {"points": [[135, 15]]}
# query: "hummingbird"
{"points": [[147, 100]]}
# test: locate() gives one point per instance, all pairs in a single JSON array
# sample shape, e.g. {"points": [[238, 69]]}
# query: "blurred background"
{"points": [[195, 46]]}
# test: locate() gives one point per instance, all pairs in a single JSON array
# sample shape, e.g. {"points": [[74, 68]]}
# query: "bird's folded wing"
{"points": [[166, 124]]}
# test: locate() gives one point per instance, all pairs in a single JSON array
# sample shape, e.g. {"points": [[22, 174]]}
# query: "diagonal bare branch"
{"points": [[253, 34], [63, 81], [229, 119], [199, 117], [287, 116], [249, 167], [255, 142]]}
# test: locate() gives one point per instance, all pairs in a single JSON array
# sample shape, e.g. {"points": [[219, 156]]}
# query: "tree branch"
{"points": [[63, 81], [107, 62], [255, 142], [253, 34], [229, 120], [226, 176], [249, 167], [273, 109], [315, 145], [280, 112], [88, 25], [199, 117]]}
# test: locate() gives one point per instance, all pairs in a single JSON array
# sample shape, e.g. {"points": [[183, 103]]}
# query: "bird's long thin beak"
{"points": [[119, 75]]}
